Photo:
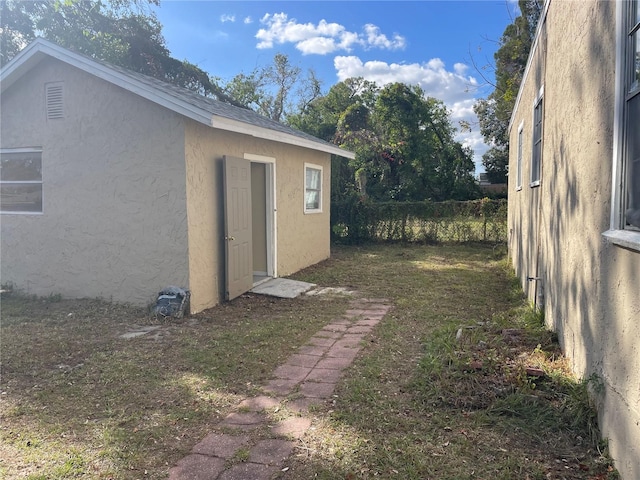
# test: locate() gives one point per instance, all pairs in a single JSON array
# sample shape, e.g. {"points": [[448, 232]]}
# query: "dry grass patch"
{"points": [[458, 381], [80, 401]]}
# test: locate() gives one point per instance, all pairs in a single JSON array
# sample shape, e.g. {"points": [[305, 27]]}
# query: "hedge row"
{"points": [[424, 222]]}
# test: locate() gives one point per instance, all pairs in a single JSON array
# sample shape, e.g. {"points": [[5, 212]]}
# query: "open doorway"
{"points": [[263, 217], [249, 222]]}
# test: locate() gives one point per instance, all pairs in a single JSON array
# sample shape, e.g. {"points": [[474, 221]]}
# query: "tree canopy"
{"points": [[403, 140], [277, 90], [494, 112], [123, 32]]}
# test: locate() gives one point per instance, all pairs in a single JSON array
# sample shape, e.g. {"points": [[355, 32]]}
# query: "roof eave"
{"points": [[541, 20], [40, 48], [230, 125]]}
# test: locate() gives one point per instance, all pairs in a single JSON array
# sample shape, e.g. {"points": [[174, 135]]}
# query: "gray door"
{"points": [[237, 227]]}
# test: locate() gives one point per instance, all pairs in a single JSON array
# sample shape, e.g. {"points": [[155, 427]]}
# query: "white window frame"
{"points": [[618, 233], [537, 143], [519, 159], [306, 188], [4, 151]]}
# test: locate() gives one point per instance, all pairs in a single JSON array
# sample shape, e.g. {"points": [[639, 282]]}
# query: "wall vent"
{"points": [[54, 93]]}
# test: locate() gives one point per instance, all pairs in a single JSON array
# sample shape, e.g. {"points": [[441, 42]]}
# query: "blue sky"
{"points": [[430, 43]]}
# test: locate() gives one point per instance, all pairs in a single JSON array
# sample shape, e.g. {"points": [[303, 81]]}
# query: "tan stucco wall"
{"points": [[114, 222], [591, 287], [302, 240], [205, 202]]}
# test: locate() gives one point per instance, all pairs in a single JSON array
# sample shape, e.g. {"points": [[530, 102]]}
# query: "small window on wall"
{"points": [[312, 188], [536, 155], [20, 180], [519, 160]]}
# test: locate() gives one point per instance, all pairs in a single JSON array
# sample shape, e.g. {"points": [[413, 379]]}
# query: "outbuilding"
{"points": [[115, 184]]}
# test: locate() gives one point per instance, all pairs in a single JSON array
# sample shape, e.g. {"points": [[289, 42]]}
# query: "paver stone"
{"points": [[321, 341], [249, 471], [292, 372], [220, 445], [271, 452], [335, 363], [259, 403], [292, 427], [312, 350], [197, 467], [302, 360], [328, 375], [317, 389], [280, 386], [244, 421]]}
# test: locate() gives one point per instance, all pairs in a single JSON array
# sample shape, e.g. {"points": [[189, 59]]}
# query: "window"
{"points": [[625, 202], [20, 180], [519, 164], [536, 155], [312, 188], [631, 141]]}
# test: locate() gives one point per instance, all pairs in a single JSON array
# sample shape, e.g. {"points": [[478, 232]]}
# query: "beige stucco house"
{"points": [[574, 201], [116, 185]]}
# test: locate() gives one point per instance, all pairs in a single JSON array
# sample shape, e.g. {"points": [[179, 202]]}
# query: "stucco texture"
{"points": [[301, 240], [133, 195], [114, 221], [587, 286]]}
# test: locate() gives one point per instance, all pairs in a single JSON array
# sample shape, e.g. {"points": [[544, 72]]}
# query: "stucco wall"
{"points": [[590, 287], [302, 240], [206, 227], [114, 222]]}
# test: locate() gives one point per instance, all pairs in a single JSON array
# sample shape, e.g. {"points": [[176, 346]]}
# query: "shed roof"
{"points": [[208, 111]]}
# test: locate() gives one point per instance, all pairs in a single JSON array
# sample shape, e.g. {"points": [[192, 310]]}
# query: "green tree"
{"points": [[322, 116], [276, 90], [494, 112], [123, 32], [405, 147]]}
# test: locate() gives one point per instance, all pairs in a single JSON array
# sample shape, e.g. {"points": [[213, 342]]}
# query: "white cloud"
{"points": [[433, 77], [454, 88], [227, 18], [248, 20], [321, 38], [460, 68], [317, 45], [377, 39]]}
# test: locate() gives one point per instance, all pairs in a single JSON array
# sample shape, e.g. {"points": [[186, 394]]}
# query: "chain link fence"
{"points": [[358, 221]]}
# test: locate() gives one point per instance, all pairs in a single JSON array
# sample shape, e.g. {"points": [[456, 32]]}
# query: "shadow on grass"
{"points": [[421, 401], [461, 380], [80, 400]]}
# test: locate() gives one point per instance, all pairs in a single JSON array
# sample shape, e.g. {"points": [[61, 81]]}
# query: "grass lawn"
{"points": [[458, 381]]}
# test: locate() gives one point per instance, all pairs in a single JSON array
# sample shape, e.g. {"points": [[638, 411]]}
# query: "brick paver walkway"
{"points": [[247, 444]]}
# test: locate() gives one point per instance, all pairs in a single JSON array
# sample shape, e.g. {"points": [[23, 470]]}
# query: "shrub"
{"points": [[357, 221]]}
